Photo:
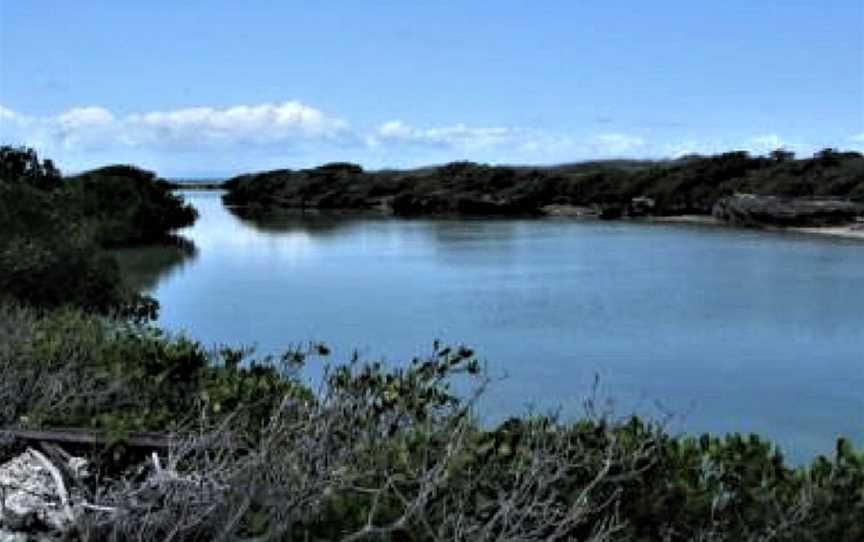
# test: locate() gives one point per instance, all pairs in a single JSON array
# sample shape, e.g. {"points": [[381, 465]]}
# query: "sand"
{"points": [[848, 231]]}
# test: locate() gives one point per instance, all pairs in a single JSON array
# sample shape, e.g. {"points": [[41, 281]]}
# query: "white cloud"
{"points": [[454, 136], [497, 144], [84, 117], [87, 127], [618, 144], [92, 127], [6, 114], [762, 144], [294, 134], [264, 123], [683, 148]]}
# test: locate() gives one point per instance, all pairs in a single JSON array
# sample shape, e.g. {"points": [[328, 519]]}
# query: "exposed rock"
{"points": [[570, 210], [31, 500], [641, 206], [756, 210], [11, 536]]}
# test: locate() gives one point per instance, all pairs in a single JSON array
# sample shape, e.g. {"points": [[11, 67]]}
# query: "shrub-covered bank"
{"points": [[387, 454], [55, 229], [376, 453], [689, 185]]}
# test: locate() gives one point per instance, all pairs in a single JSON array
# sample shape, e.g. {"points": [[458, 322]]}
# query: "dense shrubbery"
{"points": [[127, 204], [54, 230], [69, 368], [376, 453], [688, 185], [382, 454]]}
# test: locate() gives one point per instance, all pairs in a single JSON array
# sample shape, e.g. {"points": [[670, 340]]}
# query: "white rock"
{"points": [[9, 536], [26, 487]]}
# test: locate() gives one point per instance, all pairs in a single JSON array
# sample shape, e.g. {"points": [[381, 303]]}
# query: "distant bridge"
{"points": [[197, 185]]}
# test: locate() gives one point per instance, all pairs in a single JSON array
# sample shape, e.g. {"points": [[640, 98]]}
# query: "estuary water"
{"points": [[711, 329]]}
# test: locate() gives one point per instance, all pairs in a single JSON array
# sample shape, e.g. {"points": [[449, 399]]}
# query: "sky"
{"points": [[212, 88]]}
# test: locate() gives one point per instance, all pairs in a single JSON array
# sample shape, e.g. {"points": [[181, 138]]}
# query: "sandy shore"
{"points": [[687, 219], [848, 231], [852, 231], [570, 211]]}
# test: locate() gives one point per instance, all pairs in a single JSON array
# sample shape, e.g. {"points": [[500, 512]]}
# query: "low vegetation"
{"points": [[388, 454], [689, 185], [55, 230], [374, 453]]}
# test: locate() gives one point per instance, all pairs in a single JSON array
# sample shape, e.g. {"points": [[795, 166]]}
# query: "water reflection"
{"points": [[311, 222], [736, 331], [142, 267]]}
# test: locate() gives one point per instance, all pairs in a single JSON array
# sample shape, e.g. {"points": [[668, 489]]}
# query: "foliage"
{"points": [[69, 368], [690, 184], [55, 229], [377, 453], [393, 454], [48, 259], [127, 204], [22, 165]]}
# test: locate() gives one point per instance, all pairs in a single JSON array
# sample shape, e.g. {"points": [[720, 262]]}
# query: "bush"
{"points": [[127, 204], [69, 368], [393, 454], [54, 231], [690, 184], [47, 259]]}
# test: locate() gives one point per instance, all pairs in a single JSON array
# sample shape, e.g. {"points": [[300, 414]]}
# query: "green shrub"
{"points": [[77, 369], [127, 204], [691, 184], [54, 232]]}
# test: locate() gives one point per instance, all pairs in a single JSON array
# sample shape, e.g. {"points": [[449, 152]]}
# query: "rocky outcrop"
{"points": [[34, 503], [757, 210]]}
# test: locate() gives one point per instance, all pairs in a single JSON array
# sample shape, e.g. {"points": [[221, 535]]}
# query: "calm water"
{"points": [[725, 330]]}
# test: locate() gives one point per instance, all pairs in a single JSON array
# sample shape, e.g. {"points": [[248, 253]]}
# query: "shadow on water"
{"points": [[142, 267], [735, 330], [312, 222]]}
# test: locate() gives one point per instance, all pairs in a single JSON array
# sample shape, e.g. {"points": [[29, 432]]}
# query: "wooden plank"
{"points": [[73, 435]]}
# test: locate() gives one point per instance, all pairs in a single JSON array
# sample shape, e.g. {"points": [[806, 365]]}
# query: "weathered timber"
{"points": [[75, 435]]}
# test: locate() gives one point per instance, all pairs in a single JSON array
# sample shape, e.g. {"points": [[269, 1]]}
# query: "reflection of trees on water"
{"points": [[142, 267], [472, 242], [463, 232], [452, 237], [312, 222]]}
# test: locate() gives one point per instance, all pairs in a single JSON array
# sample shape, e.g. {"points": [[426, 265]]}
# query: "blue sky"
{"points": [[195, 88]]}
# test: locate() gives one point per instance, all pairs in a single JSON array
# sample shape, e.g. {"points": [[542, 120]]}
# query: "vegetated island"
{"points": [[825, 191], [375, 453]]}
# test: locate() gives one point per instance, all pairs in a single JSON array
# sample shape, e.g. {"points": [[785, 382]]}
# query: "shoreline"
{"points": [[849, 231], [854, 230]]}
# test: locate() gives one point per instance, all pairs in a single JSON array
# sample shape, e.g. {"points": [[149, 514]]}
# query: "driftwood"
{"points": [[57, 476], [75, 435]]}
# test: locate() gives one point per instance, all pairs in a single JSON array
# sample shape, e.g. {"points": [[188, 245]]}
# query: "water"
{"points": [[723, 330]]}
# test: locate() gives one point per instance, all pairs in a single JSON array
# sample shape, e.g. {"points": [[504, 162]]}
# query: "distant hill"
{"points": [[688, 185]]}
